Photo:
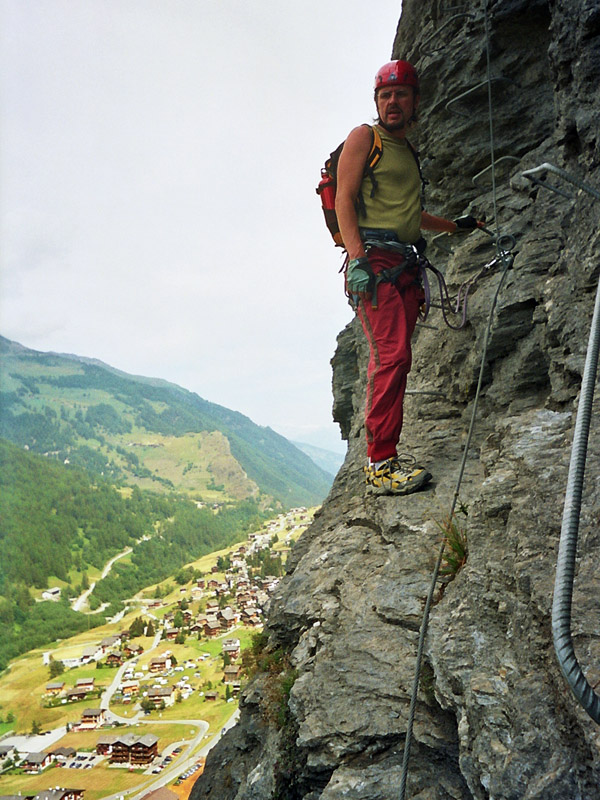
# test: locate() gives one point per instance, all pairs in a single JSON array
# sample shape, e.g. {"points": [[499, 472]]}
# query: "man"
{"points": [[380, 219]]}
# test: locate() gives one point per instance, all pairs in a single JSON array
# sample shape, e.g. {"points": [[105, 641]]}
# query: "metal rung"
{"points": [[439, 242], [446, 9], [546, 167], [425, 325], [436, 33], [501, 160], [472, 90]]}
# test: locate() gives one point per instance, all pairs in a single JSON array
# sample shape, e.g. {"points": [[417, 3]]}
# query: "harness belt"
{"points": [[388, 240]]}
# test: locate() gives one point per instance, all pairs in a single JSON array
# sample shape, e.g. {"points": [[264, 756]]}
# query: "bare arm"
{"points": [[349, 178], [431, 223]]}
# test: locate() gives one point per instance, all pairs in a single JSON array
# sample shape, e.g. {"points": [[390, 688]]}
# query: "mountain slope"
{"points": [[328, 460], [59, 527], [147, 431]]}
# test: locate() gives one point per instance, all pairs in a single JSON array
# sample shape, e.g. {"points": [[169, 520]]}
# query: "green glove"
{"points": [[359, 276]]}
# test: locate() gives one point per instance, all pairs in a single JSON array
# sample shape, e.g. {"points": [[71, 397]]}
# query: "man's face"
{"points": [[396, 106]]}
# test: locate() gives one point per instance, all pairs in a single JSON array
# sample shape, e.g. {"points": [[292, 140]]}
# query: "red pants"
{"points": [[388, 329]]}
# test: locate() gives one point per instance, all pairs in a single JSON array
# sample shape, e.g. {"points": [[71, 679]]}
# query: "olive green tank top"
{"points": [[396, 202]]}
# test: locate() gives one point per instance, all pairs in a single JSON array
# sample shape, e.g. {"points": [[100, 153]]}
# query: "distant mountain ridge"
{"points": [[328, 460], [147, 431]]}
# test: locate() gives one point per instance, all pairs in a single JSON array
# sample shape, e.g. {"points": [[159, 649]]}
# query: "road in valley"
{"points": [[80, 602]]}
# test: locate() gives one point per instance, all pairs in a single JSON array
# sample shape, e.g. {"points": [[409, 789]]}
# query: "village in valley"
{"points": [[132, 707]]}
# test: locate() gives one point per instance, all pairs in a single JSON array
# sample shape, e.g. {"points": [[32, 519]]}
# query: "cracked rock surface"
{"points": [[494, 718]]}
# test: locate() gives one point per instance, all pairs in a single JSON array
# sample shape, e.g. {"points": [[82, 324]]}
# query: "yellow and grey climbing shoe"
{"points": [[398, 475]]}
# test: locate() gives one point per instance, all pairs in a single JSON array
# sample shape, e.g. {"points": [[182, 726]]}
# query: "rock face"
{"points": [[326, 717]]}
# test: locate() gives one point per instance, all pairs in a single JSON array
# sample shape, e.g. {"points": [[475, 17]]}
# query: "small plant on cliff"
{"points": [[454, 535], [278, 677]]}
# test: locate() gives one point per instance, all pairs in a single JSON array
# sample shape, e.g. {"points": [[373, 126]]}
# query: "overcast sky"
{"points": [[158, 168]]}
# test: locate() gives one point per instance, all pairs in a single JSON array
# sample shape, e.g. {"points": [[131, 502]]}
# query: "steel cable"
{"points": [[507, 259]]}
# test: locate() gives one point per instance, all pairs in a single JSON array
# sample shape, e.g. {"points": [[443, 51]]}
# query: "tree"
{"points": [[35, 728], [147, 704], [178, 619], [180, 638], [178, 697], [56, 668]]}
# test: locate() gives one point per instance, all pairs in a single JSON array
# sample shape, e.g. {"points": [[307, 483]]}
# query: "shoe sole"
{"points": [[409, 486]]}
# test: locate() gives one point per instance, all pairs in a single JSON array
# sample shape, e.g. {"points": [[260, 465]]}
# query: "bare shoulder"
{"points": [[356, 147], [360, 137]]}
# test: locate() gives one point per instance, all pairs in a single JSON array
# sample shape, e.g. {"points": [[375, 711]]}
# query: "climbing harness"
{"points": [[567, 549], [506, 258]]}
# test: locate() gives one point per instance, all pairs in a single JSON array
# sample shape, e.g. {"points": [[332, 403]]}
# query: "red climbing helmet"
{"points": [[397, 72]]}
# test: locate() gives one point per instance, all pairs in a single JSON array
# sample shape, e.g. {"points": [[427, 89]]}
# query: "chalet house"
{"points": [[162, 694], [92, 653], [159, 664], [196, 628], [211, 696], [144, 750], [212, 608], [250, 616], [227, 619], [160, 794], [58, 793], [104, 745], [132, 649], [78, 693], [91, 719], [171, 634], [51, 594], [232, 648], [134, 749], [212, 628], [201, 583], [85, 683], [8, 751], [129, 688], [36, 762], [54, 688], [232, 673], [115, 659], [108, 642]]}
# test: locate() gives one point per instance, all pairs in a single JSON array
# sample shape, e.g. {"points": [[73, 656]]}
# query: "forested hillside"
{"points": [[147, 432], [59, 525]]}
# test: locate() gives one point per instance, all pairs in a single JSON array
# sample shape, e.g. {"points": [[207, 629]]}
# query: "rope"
{"points": [[425, 622], [507, 259]]}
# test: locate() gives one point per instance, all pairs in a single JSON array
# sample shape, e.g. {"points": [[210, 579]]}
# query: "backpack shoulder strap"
{"points": [[415, 154], [373, 158]]}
